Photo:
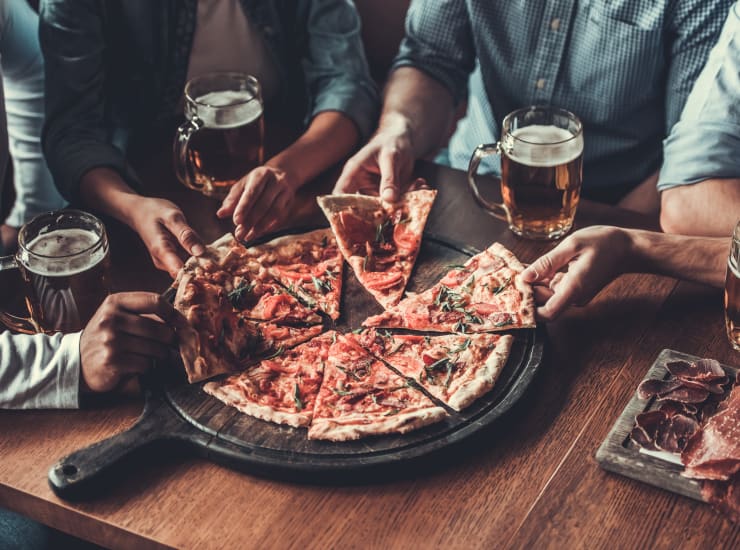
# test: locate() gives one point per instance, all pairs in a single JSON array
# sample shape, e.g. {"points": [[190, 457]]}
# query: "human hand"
{"points": [[123, 338], [389, 156], [165, 232], [258, 201], [593, 257]]}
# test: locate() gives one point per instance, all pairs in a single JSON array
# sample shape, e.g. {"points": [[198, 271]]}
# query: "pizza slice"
{"points": [[361, 397], [486, 294], [218, 338], [456, 369], [380, 240], [282, 389], [309, 266]]}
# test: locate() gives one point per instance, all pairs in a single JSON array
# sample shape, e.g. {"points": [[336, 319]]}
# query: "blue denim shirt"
{"points": [[116, 67], [625, 67], [705, 143]]}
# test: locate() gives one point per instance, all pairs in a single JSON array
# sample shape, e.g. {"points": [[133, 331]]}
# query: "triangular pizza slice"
{"points": [[456, 369], [380, 240], [486, 294], [282, 389], [360, 396]]}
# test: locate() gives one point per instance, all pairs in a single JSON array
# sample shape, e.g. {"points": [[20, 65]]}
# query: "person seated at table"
{"points": [[700, 177], [624, 68], [594, 256], [118, 67], [22, 85]]}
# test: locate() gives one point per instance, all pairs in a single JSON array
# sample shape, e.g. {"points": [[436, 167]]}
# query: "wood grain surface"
{"points": [[530, 481]]}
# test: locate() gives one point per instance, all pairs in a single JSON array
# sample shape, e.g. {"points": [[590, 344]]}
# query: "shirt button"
{"points": [[555, 24], [540, 83]]}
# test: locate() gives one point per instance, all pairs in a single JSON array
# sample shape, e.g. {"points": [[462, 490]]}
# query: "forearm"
{"points": [[418, 105], [698, 259], [710, 208], [330, 137], [105, 190]]}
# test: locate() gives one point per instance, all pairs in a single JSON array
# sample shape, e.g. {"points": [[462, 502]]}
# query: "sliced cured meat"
{"points": [[714, 451], [484, 295], [652, 387], [379, 240], [647, 427], [724, 496], [685, 394], [704, 369], [674, 434]]}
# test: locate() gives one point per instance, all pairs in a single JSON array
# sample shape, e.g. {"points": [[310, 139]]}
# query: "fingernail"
{"points": [[197, 249], [388, 194]]}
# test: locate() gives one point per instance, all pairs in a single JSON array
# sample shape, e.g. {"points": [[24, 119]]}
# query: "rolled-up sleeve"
{"points": [[439, 43], [76, 135], [705, 142], [335, 67], [39, 371]]}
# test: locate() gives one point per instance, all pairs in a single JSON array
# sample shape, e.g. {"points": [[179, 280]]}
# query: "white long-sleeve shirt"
{"points": [[39, 371]]}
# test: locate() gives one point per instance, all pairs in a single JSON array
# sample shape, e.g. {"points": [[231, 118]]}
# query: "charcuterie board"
{"points": [[619, 454], [179, 413]]}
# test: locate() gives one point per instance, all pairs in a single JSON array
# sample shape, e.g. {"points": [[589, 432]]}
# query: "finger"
{"points": [[546, 266], [145, 302], [389, 161], [125, 343], [255, 187], [569, 291], [145, 327], [231, 200], [419, 183], [165, 255], [271, 216], [185, 235], [263, 211], [352, 171], [541, 294]]}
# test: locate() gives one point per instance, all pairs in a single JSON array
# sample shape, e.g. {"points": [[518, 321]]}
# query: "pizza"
{"points": [[308, 266], [456, 369], [280, 389], [379, 240], [360, 396], [485, 294]]}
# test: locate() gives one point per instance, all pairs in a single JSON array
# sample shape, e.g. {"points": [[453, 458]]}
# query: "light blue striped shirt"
{"points": [[705, 143], [625, 67]]}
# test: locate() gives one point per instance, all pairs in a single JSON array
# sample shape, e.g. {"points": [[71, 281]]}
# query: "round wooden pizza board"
{"points": [[179, 414]]}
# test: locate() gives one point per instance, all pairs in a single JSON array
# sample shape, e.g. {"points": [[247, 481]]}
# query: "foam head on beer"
{"points": [[244, 108], [61, 252], [543, 145]]}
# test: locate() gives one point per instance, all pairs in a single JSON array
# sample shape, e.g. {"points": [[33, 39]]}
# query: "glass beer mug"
{"points": [[65, 264], [223, 136], [732, 291], [541, 151]]}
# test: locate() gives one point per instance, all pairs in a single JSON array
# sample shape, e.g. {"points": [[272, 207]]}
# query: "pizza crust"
{"points": [[355, 426], [233, 398]]}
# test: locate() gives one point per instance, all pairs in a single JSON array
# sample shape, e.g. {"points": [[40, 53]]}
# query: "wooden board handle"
{"points": [[84, 473]]}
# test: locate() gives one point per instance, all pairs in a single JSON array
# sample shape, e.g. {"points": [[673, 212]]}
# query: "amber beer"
{"points": [[541, 180], [228, 146], [64, 261], [541, 151], [223, 137], [732, 292]]}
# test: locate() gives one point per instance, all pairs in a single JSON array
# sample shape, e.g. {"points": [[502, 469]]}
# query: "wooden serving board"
{"points": [[620, 455], [178, 413]]}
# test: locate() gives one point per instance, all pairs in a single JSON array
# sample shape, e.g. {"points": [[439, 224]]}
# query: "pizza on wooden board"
{"points": [[379, 240], [281, 389], [483, 295], [456, 369], [360, 396]]}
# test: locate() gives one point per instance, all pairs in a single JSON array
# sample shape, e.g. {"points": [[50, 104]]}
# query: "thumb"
{"points": [[546, 266], [388, 162]]}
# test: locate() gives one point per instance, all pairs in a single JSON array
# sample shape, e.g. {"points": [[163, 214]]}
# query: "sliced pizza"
{"points": [[360, 396], [456, 369], [486, 294], [380, 240], [308, 266], [282, 389]]}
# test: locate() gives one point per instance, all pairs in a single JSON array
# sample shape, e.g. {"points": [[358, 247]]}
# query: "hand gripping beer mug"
{"points": [[732, 291], [541, 151], [64, 261], [222, 138]]}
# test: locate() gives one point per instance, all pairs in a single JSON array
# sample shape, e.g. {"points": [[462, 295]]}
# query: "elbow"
{"points": [[676, 213]]}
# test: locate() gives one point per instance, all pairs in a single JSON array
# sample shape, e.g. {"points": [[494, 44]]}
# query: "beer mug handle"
{"points": [[25, 325], [181, 152], [495, 209]]}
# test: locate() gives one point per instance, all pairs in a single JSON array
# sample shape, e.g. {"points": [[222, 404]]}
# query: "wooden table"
{"points": [[530, 482]]}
